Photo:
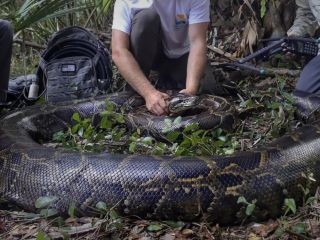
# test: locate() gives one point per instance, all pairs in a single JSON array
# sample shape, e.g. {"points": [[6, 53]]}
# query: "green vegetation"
{"points": [[265, 114], [112, 135], [35, 21]]}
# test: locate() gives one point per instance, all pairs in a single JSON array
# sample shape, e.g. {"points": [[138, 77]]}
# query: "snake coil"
{"points": [[164, 187]]}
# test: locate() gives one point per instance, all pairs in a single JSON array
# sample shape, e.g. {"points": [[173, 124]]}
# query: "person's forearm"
{"points": [[132, 73], [196, 66]]}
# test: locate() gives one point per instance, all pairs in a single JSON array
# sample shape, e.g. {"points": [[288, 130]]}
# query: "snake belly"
{"points": [[160, 187]]}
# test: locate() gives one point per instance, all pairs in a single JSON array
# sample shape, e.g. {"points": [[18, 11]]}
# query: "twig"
{"points": [[300, 236], [29, 44], [282, 71], [221, 52]]}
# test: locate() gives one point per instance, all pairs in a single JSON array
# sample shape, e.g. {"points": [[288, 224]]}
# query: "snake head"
{"points": [[181, 102]]}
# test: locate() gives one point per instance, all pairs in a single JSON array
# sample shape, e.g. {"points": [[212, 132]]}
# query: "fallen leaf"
{"points": [[168, 236], [263, 230], [187, 232], [253, 236]]}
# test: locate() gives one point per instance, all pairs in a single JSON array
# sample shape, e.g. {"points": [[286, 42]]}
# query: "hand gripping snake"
{"points": [[162, 187]]}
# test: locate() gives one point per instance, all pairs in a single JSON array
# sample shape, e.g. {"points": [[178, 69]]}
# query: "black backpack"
{"points": [[75, 65]]}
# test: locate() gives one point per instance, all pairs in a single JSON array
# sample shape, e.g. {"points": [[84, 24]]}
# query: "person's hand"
{"points": [[294, 34], [156, 102], [188, 92], [289, 55]]}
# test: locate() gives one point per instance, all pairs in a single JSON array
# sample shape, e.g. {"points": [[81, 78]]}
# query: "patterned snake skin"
{"points": [[148, 186]]}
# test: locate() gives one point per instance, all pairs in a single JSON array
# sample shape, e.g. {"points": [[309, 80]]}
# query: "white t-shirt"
{"points": [[175, 15]]}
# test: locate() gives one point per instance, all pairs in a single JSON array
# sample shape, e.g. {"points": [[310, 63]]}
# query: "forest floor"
{"points": [[305, 224]]}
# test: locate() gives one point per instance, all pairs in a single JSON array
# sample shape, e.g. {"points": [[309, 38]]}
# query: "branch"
{"points": [[221, 52], [282, 71], [29, 44]]}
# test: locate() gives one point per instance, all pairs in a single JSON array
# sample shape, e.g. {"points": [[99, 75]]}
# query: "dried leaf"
{"points": [[187, 232], [263, 230]]}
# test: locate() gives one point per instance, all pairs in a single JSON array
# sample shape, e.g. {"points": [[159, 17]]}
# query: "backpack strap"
{"points": [[96, 57], [42, 63]]}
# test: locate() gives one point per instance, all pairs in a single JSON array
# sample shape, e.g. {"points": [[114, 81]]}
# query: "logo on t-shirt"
{"points": [[181, 20]]}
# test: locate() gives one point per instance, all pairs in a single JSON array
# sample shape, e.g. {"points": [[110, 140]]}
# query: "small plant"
{"points": [[114, 221], [86, 136], [307, 199], [45, 204], [290, 206], [250, 207]]}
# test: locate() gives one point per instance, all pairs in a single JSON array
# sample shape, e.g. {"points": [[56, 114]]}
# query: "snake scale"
{"points": [[161, 187]]}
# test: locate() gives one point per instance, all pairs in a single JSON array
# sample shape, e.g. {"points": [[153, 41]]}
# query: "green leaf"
{"points": [[242, 199], [299, 228], [173, 136], [115, 226], [247, 104], [102, 206], [59, 136], [76, 117], [279, 232], [75, 128], [191, 127], [113, 214], [168, 122], [311, 200], [109, 105], [222, 138], [120, 118], [177, 121], [43, 202], [154, 228], [147, 140], [275, 105], [72, 210], [174, 224], [250, 208], [159, 149], [229, 151], [80, 132], [41, 236], [263, 8], [50, 212], [34, 11], [105, 123], [132, 147], [291, 205], [88, 132], [288, 97]]}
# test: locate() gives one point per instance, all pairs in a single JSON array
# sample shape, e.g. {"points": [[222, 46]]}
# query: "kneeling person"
{"points": [[6, 36], [306, 23], [166, 36]]}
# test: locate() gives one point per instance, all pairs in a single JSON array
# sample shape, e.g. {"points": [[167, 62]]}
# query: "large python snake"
{"points": [[148, 186]]}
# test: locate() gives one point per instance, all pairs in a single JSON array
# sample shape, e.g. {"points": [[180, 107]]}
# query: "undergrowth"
{"points": [[265, 113]]}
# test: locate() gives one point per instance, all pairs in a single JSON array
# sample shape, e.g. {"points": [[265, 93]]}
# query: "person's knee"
{"points": [[309, 80], [6, 29]]}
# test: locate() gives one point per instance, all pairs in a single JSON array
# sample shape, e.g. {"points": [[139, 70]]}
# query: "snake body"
{"points": [[207, 111], [163, 187]]}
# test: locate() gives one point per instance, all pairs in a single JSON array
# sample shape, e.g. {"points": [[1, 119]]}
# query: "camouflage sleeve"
{"points": [[306, 19]]}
